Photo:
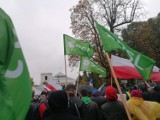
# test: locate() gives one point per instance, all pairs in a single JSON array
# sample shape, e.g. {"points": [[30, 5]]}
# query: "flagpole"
{"points": [[77, 83], [65, 70], [78, 79], [118, 86], [111, 80]]}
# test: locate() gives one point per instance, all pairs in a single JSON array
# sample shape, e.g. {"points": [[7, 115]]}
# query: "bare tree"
{"points": [[82, 25], [119, 12], [110, 13]]}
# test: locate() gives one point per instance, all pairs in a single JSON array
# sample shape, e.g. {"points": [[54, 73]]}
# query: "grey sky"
{"points": [[40, 25]]}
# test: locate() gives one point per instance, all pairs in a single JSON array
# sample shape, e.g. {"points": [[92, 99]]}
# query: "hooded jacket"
{"points": [[91, 111], [112, 109], [143, 110]]}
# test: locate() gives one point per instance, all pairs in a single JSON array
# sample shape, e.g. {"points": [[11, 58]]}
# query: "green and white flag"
{"points": [[77, 47], [111, 42], [87, 65], [15, 82]]}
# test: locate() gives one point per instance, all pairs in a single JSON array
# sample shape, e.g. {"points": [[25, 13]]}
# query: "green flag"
{"points": [[73, 46], [111, 42], [88, 65], [15, 83]]}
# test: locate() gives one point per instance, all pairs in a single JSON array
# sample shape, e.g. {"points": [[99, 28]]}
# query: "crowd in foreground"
{"points": [[69, 105]]}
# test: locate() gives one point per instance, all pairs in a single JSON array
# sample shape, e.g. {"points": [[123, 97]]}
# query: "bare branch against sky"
{"points": [[40, 25]]}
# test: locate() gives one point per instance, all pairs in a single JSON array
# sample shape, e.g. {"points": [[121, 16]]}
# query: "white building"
{"points": [[59, 78], [45, 77], [57, 81]]}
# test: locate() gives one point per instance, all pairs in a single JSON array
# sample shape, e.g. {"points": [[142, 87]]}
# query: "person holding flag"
{"points": [[142, 109]]}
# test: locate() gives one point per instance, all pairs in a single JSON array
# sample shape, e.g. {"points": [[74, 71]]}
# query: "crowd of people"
{"points": [[67, 104]]}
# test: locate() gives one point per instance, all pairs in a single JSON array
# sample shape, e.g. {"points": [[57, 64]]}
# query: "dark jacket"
{"points": [[151, 96], [100, 100], [58, 107], [75, 106], [147, 96], [113, 110], [156, 97], [62, 115], [91, 111]]}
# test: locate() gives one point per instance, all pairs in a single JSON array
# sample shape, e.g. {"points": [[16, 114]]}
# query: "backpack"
{"points": [[33, 113]]}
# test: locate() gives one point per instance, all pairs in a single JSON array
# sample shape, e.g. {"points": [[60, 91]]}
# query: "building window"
{"points": [[46, 77]]}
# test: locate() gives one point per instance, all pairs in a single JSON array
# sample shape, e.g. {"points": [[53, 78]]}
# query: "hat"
{"points": [[111, 94], [44, 92], [95, 93], [136, 93], [58, 100]]}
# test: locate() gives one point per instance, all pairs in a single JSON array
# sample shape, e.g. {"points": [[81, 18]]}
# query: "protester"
{"points": [[156, 94], [58, 110], [75, 105], [152, 95], [43, 103], [34, 98], [141, 109], [112, 109], [146, 95], [37, 108], [91, 111], [128, 95], [124, 89], [97, 98]]}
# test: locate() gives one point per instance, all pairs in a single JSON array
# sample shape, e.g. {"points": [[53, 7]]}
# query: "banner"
{"points": [[15, 81], [90, 66], [124, 69], [77, 47], [111, 42]]}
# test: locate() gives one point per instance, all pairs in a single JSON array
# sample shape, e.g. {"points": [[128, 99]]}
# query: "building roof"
{"points": [[62, 77]]}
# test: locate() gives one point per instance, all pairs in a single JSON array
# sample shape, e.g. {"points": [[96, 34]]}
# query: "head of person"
{"points": [[95, 93], [84, 93], [43, 94], [71, 89], [135, 87], [136, 93], [33, 93], [58, 100], [111, 94]]}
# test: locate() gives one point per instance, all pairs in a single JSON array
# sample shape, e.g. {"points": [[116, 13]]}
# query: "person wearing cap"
{"points": [[113, 109], [97, 98], [141, 109]]}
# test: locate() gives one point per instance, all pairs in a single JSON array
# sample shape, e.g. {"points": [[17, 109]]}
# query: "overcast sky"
{"points": [[40, 25]]}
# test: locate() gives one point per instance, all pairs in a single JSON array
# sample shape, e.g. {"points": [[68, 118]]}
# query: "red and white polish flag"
{"points": [[49, 87], [124, 69]]}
